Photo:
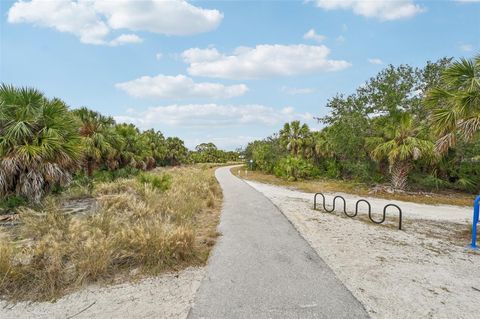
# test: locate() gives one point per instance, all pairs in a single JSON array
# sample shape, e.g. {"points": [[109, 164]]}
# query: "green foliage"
{"points": [[159, 182], [209, 153], [294, 168], [384, 132], [11, 202], [39, 143], [43, 144], [455, 103]]}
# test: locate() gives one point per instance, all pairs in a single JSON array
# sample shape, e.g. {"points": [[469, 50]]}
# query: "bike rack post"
{"points": [[384, 215], [476, 209]]}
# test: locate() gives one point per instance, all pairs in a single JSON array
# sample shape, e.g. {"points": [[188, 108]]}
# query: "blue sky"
{"points": [[221, 71]]}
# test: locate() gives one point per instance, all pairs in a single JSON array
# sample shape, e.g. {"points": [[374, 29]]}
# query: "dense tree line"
{"points": [[44, 144], [209, 153], [407, 126]]}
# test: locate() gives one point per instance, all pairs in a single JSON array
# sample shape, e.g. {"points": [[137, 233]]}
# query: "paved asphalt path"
{"points": [[262, 268]]}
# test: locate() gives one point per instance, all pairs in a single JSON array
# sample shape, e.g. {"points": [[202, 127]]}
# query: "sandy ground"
{"points": [[167, 296], [423, 271]]}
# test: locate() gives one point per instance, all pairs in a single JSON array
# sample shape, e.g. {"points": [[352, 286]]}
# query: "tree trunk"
{"points": [[89, 168], [400, 171]]}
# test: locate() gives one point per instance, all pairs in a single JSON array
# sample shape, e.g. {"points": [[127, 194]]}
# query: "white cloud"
{"points": [[125, 38], [201, 55], [375, 61], [159, 16], [92, 21], [178, 87], [381, 9], [211, 116], [297, 91], [312, 35], [262, 61], [158, 56], [466, 47]]}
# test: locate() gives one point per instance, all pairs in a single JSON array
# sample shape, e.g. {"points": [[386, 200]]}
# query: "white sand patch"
{"points": [[167, 296], [423, 271]]}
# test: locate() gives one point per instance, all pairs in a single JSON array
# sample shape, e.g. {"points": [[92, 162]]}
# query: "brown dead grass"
{"points": [[313, 186], [138, 230]]}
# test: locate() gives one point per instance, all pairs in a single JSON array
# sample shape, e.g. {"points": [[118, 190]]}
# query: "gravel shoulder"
{"points": [[167, 296], [423, 271]]}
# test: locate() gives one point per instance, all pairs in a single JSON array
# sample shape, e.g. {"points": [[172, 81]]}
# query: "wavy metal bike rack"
{"points": [[356, 209]]}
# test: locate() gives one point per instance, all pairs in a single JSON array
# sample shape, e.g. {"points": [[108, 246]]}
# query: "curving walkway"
{"points": [[262, 268]]}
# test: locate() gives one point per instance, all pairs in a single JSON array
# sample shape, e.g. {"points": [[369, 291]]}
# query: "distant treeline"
{"points": [[43, 144], [407, 126]]}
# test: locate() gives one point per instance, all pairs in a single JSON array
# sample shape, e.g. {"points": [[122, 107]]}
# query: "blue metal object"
{"points": [[476, 209]]}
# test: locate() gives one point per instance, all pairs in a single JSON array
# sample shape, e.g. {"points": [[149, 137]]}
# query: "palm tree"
{"points": [[136, 151], [294, 136], [322, 147], [98, 140], [456, 103], [176, 151], [38, 143], [404, 145], [157, 147]]}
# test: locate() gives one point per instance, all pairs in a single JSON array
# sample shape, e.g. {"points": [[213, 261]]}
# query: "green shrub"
{"points": [[293, 168], [428, 182], [11, 202], [332, 169], [360, 171], [161, 182]]}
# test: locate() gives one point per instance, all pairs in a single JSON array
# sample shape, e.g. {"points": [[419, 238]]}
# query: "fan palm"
{"points": [[456, 103], [136, 151], [404, 145], [294, 136], [38, 143], [98, 140], [176, 151]]}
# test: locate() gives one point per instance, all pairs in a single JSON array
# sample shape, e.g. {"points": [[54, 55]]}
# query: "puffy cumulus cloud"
{"points": [[93, 20], [312, 35], [211, 116], [262, 61], [159, 16], [381, 9], [76, 17], [178, 87], [375, 61]]}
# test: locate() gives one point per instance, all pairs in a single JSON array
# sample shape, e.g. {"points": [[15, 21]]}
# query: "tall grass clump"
{"points": [[144, 225]]}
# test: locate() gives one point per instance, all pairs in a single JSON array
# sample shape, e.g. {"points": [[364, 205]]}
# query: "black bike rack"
{"points": [[356, 209]]}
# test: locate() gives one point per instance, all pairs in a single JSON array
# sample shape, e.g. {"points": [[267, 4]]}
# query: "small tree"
{"points": [[294, 136], [404, 145]]}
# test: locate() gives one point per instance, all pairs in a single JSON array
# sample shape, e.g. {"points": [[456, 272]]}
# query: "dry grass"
{"points": [[137, 230], [450, 198]]}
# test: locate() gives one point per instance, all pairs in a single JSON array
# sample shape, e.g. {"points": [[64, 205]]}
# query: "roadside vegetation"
{"points": [[406, 129], [161, 220], [84, 199], [44, 145]]}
